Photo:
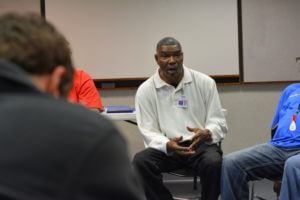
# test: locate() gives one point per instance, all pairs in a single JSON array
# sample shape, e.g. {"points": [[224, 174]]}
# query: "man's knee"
{"points": [[139, 160], [230, 160], [213, 162], [292, 162]]}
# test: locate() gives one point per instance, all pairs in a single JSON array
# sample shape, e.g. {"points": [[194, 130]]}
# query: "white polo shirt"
{"points": [[163, 112]]}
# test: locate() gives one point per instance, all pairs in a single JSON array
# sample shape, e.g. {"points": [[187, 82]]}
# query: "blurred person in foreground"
{"points": [[49, 148], [290, 186]]}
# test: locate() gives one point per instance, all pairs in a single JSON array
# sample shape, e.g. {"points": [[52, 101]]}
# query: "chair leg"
{"points": [[276, 188], [195, 183], [252, 191]]}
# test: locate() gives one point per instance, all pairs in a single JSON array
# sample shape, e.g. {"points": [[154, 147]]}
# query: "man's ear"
{"points": [[156, 58], [54, 81]]}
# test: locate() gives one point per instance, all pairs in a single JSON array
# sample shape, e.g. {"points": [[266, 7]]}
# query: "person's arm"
{"points": [[282, 99], [88, 94], [146, 115], [147, 120], [275, 121], [215, 120], [106, 172]]}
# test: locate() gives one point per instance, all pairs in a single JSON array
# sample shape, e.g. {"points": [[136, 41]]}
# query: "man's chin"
{"points": [[172, 73], [173, 77]]}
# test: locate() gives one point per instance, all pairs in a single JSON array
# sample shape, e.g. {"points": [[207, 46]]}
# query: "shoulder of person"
{"points": [[201, 77], [293, 86], [82, 74], [290, 89], [75, 115], [146, 87]]}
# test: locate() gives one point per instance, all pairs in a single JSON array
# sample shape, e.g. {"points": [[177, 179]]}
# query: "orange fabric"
{"points": [[84, 91]]}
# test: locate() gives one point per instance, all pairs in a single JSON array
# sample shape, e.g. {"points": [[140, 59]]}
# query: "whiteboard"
{"points": [[20, 6], [271, 32], [117, 38]]}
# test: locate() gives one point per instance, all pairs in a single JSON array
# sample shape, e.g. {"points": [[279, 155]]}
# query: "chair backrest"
{"points": [[273, 130]]}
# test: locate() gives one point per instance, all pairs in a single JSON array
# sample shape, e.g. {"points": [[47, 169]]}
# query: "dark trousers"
{"points": [[151, 163]]}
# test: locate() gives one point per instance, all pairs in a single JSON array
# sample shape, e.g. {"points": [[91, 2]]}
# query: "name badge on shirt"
{"points": [[182, 102], [293, 123], [294, 118]]}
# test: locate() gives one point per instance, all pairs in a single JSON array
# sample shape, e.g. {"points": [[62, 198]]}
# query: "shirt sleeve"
{"points": [[282, 99], [215, 119], [146, 115], [88, 94]]}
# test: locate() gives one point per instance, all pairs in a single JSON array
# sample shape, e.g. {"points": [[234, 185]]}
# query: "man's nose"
{"points": [[172, 60]]}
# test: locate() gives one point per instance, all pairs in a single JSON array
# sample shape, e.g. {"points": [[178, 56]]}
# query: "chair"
{"points": [[277, 181], [276, 189], [186, 173], [186, 186]]}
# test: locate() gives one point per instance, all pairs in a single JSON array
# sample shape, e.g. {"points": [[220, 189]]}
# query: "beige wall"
{"points": [[250, 113]]}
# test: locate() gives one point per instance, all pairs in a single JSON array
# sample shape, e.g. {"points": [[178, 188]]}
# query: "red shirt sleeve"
{"points": [[84, 91]]}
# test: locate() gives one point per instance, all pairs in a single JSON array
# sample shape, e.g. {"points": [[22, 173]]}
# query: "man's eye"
{"points": [[166, 56], [178, 54]]}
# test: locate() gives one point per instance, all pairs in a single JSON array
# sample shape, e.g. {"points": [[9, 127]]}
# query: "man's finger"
{"points": [[199, 136], [186, 153], [180, 148], [177, 139], [190, 129], [194, 143], [194, 137]]}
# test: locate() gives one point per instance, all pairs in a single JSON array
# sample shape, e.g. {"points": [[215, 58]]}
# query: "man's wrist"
{"points": [[209, 137], [208, 132], [168, 147]]}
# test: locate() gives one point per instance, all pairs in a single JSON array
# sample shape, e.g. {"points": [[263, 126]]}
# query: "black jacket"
{"points": [[51, 149]]}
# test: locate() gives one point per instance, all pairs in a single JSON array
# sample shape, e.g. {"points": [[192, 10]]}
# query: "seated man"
{"points": [[265, 160], [85, 92], [180, 117], [49, 148], [290, 186]]}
